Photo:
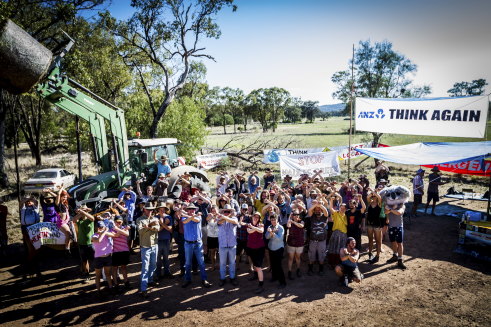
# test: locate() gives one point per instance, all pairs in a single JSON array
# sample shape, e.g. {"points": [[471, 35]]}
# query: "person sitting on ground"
{"points": [[85, 229], [418, 190], [348, 270], [103, 248]]}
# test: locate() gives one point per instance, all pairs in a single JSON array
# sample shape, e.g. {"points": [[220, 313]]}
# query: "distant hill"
{"points": [[332, 107]]}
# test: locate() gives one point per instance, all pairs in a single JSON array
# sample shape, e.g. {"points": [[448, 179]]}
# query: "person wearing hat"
{"points": [[85, 229], [29, 215], [381, 184], [418, 190], [103, 248], [129, 197], [121, 251], [165, 235], [161, 185], [381, 171], [287, 182], [348, 269], [193, 244], [162, 165], [435, 180], [148, 228], [227, 242]]}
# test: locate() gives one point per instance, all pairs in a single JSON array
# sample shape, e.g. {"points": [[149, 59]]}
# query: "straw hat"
{"points": [[149, 206]]}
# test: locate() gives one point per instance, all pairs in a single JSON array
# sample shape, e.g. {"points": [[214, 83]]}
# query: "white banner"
{"points": [[295, 165], [45, 233], [209, 161], [273, 155], [345, 153], [460, 117]]}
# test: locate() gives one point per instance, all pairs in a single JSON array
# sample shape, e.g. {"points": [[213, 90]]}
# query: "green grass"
{"points": [[332, 132]]}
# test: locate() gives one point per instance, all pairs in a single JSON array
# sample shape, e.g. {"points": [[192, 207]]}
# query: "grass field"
{"points": [[332, 132]]}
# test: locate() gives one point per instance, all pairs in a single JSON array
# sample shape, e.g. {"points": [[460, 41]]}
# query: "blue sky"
{"points": [[298, 45]]}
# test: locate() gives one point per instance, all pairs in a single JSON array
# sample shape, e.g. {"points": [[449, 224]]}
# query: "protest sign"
{"points": [[273, 155], [45, 233], [345, 153], [209, 161], [296, 165], [459, 116], [473, 167]]}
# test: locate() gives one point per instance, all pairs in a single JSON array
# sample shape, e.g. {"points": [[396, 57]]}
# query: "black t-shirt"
{"points": [[354, 220], [268, 180], [373, 215]]}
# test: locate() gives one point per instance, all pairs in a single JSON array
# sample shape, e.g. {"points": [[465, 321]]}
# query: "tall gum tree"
{"points": [[166, 35]]}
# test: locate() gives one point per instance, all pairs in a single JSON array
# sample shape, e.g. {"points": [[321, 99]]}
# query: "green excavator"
{"points": [[27, 64]]}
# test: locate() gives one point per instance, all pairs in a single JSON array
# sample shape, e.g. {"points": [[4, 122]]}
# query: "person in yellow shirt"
{"points": [[339, 230]]}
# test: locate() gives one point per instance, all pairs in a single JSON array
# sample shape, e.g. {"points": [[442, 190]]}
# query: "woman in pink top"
{"points": [[103, 249], [61, 206], [121, 251]]}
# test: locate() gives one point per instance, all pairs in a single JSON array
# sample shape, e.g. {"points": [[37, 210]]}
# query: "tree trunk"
{"points": [[160, 113], [3, 175], [375, 143], [245, 123], [224, 121]]}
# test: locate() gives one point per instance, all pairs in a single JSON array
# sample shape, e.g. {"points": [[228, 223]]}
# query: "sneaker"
{"points": [[374, 259], [221, 283], [370, 256], [393, 259], [290, 276], [346, 281], [401, 264], [186, 284], [234, 281], [299, 274], [206, 283], [259, 290]]}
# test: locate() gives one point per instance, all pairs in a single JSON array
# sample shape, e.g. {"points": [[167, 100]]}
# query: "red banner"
{"points": [[473, 167]]}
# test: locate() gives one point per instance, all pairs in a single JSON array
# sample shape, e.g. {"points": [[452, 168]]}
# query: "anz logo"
{"points": [[379, 114]]}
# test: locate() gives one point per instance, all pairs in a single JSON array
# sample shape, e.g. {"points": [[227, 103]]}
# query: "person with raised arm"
{"points": [[227, 241], [339, 229], [255, 245]]}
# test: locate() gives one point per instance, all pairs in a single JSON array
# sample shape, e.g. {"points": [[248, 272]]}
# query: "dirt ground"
{"points": [[439, 288]]}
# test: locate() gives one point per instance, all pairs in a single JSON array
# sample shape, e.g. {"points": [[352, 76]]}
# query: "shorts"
{"points": [[241, 246], [121, 258], [433, 196], [317, 250], [212, 242], [418, 199], [86, 252], [396, 234], [294, 249], [257, 256], [351, 272], [101, 262]]}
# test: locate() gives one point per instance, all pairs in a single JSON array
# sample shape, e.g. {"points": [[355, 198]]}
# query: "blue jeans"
{"points": [[149, 260], [227, 254], [163, 257], [197, 250]]}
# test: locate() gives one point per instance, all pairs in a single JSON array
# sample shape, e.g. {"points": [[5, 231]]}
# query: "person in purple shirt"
{"points": [[227, 243], [47, 200]]}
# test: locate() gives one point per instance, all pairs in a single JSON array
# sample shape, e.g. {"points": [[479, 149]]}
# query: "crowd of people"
{"points": [[262, 219]]}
